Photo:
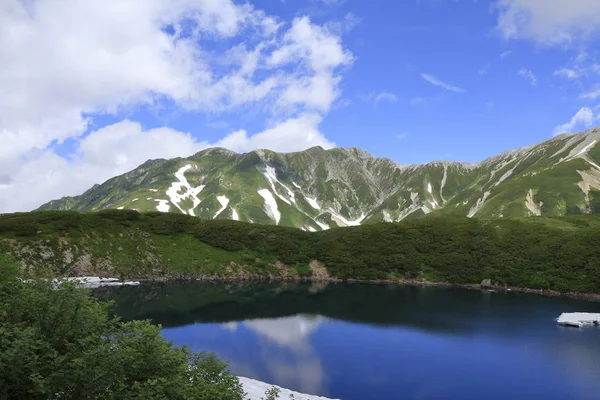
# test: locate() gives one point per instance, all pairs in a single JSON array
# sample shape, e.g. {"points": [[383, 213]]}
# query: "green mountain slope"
{"points": [[560, 253], [318, 189]]}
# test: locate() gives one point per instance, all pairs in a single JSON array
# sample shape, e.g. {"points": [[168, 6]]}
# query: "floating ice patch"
{"points": [[579, 319], [313, 202], [224, 201], [270, 205], [163, 205]]}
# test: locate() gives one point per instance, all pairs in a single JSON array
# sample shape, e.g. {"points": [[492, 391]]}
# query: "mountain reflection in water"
{"points": [[379, 342]]}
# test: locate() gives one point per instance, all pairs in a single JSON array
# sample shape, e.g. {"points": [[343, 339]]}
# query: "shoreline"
{"points": [[594, 297]]}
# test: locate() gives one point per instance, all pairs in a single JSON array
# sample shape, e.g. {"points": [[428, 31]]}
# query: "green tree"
{"points": [[56, 341]]}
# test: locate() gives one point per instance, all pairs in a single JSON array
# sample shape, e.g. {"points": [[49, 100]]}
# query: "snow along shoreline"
{"points": [[256, 391], [93, 282]]}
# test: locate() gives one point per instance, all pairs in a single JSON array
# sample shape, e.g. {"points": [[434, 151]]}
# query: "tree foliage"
{"points": [[56, 341]]}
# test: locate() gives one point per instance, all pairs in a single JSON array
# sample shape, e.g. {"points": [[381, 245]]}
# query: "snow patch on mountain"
{"points": [[532, 206], [224, 201], [341, 221], [480, 202], [323, 226], [234, 215], [270, 205], [507, 174], [189, 191], [271, 175], [444, 178], [136, 199], [313, 202], [163, 205]]}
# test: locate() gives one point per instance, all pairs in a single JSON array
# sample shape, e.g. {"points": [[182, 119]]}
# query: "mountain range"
{"points": [[318, 189]]}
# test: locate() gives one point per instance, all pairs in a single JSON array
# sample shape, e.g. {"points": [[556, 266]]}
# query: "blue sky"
{"points": [[93, 90]]}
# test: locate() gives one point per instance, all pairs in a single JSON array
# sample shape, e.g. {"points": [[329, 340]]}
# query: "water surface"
{"points": [[380, 342]]}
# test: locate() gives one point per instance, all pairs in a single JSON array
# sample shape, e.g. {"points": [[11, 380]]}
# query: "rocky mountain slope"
{"points": [[318, 189]]}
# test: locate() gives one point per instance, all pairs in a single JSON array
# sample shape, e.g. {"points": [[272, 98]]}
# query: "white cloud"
{"points": [[402, 136], [378, 97], [123, 146], [591, 95], [485, 69], [293, 134], [549, 22], [567, 73], [347, 24], [528, 75], [506, 54], [583, 119], [104, 153], [63, 63], [434, 81]]}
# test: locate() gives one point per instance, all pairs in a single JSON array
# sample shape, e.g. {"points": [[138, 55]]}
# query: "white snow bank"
{"points": [[579, 319], [313, 202], [224, 201], [163, 205], [256, 391], [188, 191], [270, 205], [93, 282]]}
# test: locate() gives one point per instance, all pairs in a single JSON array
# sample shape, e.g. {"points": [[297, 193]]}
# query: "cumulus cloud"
{"points": [[64, 64], [291, 135], [549, 22], [109, 151], [528, 75], [435, 81], [123, 146], [583, 119]]}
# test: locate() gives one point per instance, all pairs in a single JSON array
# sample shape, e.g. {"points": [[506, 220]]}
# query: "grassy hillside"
{"points": [[560, 253]]}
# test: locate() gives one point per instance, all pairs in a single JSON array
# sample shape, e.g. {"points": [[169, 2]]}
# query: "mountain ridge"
{"points": [[317, 188]]}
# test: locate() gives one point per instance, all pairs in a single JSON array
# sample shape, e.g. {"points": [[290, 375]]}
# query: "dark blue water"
{"points": [[380, 342]]}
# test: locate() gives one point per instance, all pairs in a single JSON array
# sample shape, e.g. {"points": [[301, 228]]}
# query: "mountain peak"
{"points": [[317, 189]]}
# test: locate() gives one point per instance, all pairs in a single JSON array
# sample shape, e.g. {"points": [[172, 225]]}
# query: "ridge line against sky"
{"points": [[93, 89]]}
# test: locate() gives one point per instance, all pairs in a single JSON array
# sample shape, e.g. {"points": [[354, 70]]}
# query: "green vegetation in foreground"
{"points": [[58, 342], [560, 253]]}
